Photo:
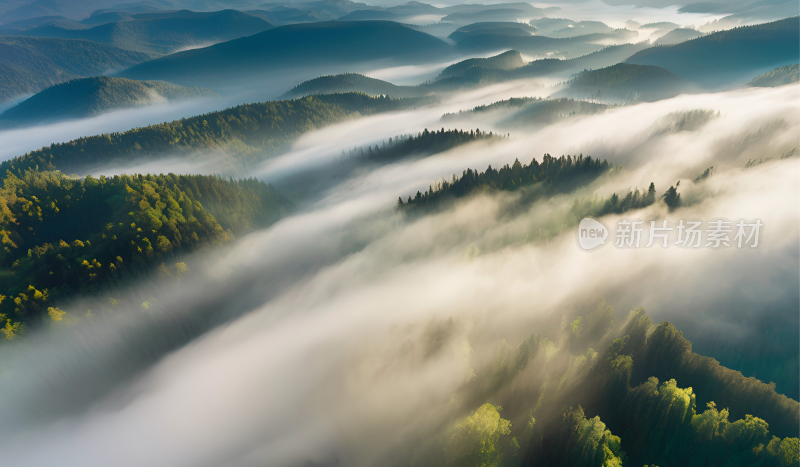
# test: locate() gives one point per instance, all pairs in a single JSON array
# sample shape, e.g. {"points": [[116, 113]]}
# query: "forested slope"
{"points": [[87, 97], [63, 237], [31, 64], [726, 57], [249, 133]]}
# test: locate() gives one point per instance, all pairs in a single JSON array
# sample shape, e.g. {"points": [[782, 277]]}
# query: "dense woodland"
{"points": [[641, 398], [63, 237], [553, 175], [31, 64], [249, 133], [424, 143]]}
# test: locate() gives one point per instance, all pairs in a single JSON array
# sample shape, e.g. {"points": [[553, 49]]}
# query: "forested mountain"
{"points": [[498, 12], [353, 82], [626, 83], [295, 46], [506, 61], [86, 97], [677, 36], [533, 111], [547, 111], [313, 182], [369, 15], [32, 64], [15, 27], [728, 57], [63, 237], [538, 45], [552, 175], [555, 401], [161, 33], [561, 27], [513, 103], [777, 77], [249, 133], [422, 144], [489, 27]]}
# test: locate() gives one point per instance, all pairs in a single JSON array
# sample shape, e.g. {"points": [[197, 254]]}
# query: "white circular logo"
{"points": [[591, 234]]}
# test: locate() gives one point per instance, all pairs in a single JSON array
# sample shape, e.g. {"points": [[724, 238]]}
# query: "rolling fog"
{"points": [[301, 343]]}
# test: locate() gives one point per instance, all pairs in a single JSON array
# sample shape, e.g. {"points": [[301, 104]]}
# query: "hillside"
{"points": [[90, 235], [87, 97], [626, 83], [777, 77], [353, 82], [311, 45], [506, 61], [501, 28], [32, 64], [677, 36], [368, 15], [561, 28], [480, 72], [483, 41], [727, 57], [547, 111], [248, 133], [163, 33], [498, 12]]}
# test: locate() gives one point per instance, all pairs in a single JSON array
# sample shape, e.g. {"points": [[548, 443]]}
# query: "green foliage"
{"points": [[63, 237], [668, 354], [657, 422], [553, 174], [249, 132], [589, 443], [424, 143], [777, 77], [481, 440]]}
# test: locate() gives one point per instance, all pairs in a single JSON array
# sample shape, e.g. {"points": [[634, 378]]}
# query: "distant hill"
{"points": [[73, 9], [532, 111], [562, 27], [366, 15], [31, 64], [15, 27], [506, 61], [661, 25], [353, 82], [547, 111], [480, 41], [627, 83], [727, 57], [86, 97], [311, 45], [676, 36], [160, 33], [248, 134], [498, 12], [472, 70], [499, 28], [777, 77]]}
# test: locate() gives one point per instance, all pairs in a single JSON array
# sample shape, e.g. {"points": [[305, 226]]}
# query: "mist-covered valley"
{"points": [[351, 235]]}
